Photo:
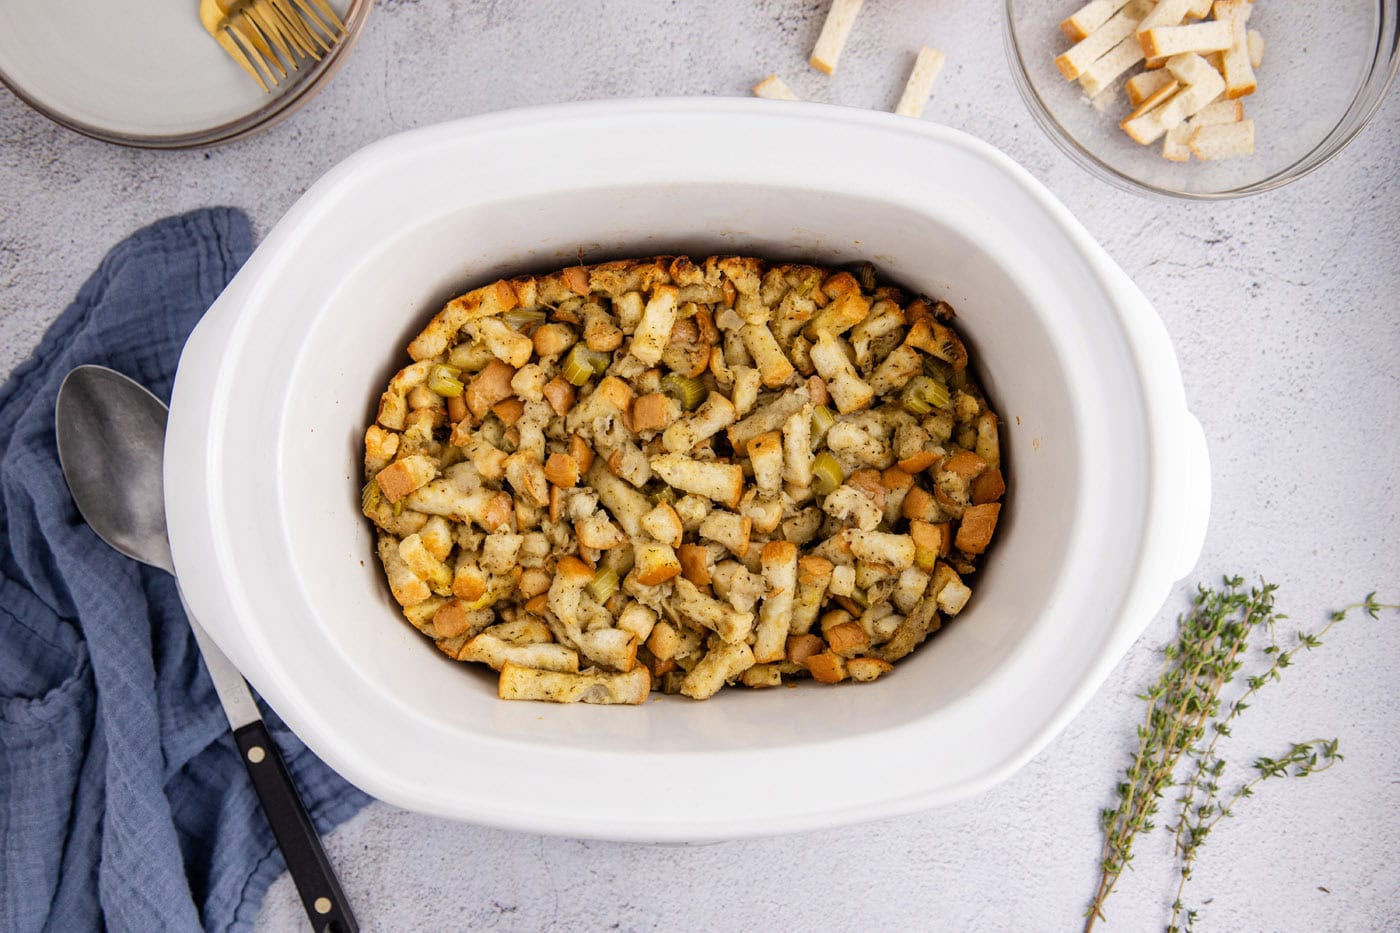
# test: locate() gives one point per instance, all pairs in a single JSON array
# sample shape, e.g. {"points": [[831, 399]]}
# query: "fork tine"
{"points": [[308, 42], [234, 52], [236, 34], [308, 18], [271, 30], [310, 13], [247, 30]]}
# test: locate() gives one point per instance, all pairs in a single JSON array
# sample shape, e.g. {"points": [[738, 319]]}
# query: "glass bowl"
{"points": [[1325, 70]]}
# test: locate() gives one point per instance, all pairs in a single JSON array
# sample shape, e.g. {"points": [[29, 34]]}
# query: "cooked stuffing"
{"points": [[669, 475]]}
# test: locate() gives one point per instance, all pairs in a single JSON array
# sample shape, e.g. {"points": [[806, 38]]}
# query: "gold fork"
{"points": [[276, 34]]}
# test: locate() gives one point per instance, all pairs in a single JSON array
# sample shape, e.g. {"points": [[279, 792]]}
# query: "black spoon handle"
{"points": [[311, 871]]}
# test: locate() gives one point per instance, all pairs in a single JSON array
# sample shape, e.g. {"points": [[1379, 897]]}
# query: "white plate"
{"points": [[145, 73]]}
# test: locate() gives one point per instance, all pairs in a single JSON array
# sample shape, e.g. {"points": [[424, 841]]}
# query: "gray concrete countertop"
{"points": [[1283, 309]]}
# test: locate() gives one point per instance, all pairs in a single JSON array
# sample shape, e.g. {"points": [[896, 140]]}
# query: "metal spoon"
{"points": [[111, 443]]}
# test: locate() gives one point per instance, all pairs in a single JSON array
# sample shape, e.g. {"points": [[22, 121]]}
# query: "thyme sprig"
{"points": [[1184, 708]]}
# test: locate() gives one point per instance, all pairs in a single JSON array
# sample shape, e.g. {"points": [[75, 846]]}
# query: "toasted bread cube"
{"points": [[1165, 13], [847, 308], [1146, 83], [843, 580], [864, 670], [663, 524], [1107, 69], [720, 482], [404, 476], [654, 329], [1169, 41], [766, 455], [848, 390], [1220, 113], [883, 548], [927, 64], [597, 532], [408, 588], [562, 470], [609, 647], [813, 577], [664, 641], [489, 387], [847, 639], [801, 647], [487, 648], [779, 562], [1157, 97], [769, 418], [638, 620], [709, 419], [774, 369], [978, 524], [656, 562], [380, 447], [509, 345], [732, 625], [797, 448], [654, 412], [1237, 67], [722, 663], [522, 683], [773, 88], [762, 675], [533, 582], [1256, 48], [1119, 26], [728, 529], [910, 588], [1185, 103], [694, 563], [827, 668], [949, 592], [989, 487], [1223, 142], [839, 20], [625, 502], [1174, 148], [848, 504], [1088, 18], [424, 565]]}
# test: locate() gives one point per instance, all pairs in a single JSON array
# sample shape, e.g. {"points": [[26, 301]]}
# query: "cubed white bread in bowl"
{"points": [[1107, 470]]}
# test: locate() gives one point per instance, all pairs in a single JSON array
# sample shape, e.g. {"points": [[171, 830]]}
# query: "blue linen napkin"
{"points": [[123, 802]]}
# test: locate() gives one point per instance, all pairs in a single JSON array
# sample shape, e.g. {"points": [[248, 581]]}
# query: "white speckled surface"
{"points": [[1284, 312]]}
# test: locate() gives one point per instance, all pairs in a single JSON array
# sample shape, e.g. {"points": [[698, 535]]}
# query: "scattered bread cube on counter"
{"points": [[774, 88], [927, 65], [839, 20]]}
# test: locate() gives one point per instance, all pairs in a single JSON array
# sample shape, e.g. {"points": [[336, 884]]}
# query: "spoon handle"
{"points": [[296, 835]]}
